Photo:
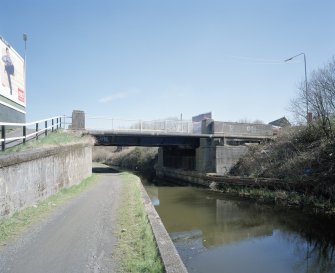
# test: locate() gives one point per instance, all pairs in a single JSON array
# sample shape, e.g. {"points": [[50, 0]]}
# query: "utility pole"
{"points": [[306, 90]]}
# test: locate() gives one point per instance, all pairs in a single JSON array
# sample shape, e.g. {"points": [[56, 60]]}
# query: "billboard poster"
{"points": [[12, 83]]}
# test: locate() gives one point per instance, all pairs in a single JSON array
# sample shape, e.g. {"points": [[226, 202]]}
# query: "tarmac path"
{"points": [[77, 236]]}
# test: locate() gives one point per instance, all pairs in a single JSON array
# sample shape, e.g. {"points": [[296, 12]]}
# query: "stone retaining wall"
{"points": [[31, 176]]}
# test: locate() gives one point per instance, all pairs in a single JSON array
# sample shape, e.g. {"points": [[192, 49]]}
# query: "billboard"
{"points": [[12, 82]]}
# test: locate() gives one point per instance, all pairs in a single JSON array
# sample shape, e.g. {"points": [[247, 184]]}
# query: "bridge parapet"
{"points": [[231, 129], [208, 146], [141, 126]]}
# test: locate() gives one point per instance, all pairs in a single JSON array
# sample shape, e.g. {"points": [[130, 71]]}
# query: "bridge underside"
{"points": [[147, 140]]}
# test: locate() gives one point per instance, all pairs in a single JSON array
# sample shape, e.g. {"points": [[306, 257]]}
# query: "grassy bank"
{"points": [[53, 139], [297, 154], [303, 157], [311, 203], [136, 250], [20, 221]]}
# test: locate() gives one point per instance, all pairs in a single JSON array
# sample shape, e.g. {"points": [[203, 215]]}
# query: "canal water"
{"points": [[215, 232]]}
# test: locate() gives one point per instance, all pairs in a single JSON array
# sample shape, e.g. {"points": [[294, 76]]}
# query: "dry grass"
{"points": [[141, 159], [299, 155], [53, 139], [136, 250]]}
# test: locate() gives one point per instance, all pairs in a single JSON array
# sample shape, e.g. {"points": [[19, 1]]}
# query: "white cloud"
{"points": [[119, 96]]}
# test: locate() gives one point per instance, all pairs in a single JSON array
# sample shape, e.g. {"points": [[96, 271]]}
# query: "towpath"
{"points": [[77, 236]]}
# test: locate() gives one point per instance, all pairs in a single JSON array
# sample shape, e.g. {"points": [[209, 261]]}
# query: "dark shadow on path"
{"points": [[104, 170]]}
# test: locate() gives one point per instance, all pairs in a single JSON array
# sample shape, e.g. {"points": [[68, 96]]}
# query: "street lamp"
{"points": [[306, 90]]}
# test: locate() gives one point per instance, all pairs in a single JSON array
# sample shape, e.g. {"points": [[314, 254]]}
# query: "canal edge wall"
{"points": [[167, 251], [31, 176], [214, 180]]}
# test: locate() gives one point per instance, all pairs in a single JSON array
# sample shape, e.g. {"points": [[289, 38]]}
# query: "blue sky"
{"points": [[153, 59]]}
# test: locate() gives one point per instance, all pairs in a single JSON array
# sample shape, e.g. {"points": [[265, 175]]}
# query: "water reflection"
{"points": [[219, 233]]}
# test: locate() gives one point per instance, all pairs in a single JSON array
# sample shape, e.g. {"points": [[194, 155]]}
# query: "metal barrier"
{"points": [[166, 126], [29, 131]]}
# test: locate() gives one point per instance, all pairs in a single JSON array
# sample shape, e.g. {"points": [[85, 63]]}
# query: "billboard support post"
{"points": [[36, 131], [3, 136], [24, 134]]}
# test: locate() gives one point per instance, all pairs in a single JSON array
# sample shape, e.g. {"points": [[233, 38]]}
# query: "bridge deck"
{"points": [[159, 138]]}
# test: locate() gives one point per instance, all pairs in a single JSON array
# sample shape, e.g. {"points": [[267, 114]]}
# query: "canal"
{"points": [[215, 232]]}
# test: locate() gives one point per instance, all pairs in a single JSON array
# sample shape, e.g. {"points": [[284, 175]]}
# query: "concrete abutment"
{"points": [[217, 154]]}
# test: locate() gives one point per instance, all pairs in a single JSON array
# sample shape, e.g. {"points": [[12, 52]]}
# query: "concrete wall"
{"points": [[220, 154], [78, 120], [242, 129], [206, 159], [8, 114], [31, 176], [227, 157]]}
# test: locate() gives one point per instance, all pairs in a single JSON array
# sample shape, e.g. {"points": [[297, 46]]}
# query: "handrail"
{"points": [[143, 120], [141, 125], [29, 123], [56, 122]]}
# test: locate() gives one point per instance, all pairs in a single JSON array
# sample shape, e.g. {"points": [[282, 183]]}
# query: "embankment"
{"points": [[269, 190], [31, 176]]}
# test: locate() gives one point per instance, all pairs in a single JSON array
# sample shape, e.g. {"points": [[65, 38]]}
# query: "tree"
{"points": [[320, 96]]}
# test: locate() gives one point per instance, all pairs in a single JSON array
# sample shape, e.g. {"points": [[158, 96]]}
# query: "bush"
{"points": [[141, 159], [298, 154]]}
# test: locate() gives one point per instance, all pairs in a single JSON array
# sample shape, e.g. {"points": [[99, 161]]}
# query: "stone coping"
{"points": [[37, 153], [169, 255]]}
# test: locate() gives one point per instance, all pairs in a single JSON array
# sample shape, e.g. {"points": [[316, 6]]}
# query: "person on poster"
{"points": [[9, 68]]}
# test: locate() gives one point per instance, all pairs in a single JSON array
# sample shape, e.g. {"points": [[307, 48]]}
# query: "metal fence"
{"points": [[117, 124], [13, 134]]}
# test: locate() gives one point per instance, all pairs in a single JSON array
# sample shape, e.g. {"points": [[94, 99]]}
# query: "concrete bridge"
{"points": [[208, 147]]}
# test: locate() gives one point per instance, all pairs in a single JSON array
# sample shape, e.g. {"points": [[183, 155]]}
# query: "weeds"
{"points": [[298, 154], [136, 249], [283, 197]]}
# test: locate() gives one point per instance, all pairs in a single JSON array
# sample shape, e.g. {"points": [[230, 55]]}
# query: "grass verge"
{"points": [[56, 138], [316, 204], [20, 221], [136, 250]]}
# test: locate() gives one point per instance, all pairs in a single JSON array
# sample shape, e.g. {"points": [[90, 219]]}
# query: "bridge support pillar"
{"points": [[218, 153], [78, 120], [206, 153]]}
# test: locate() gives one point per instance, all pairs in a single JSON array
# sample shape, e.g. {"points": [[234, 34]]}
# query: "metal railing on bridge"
{"points": [[13, 134], [164, 126]]}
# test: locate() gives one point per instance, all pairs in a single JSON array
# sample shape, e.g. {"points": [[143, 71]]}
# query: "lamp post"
{"points": [[306, 90]]}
